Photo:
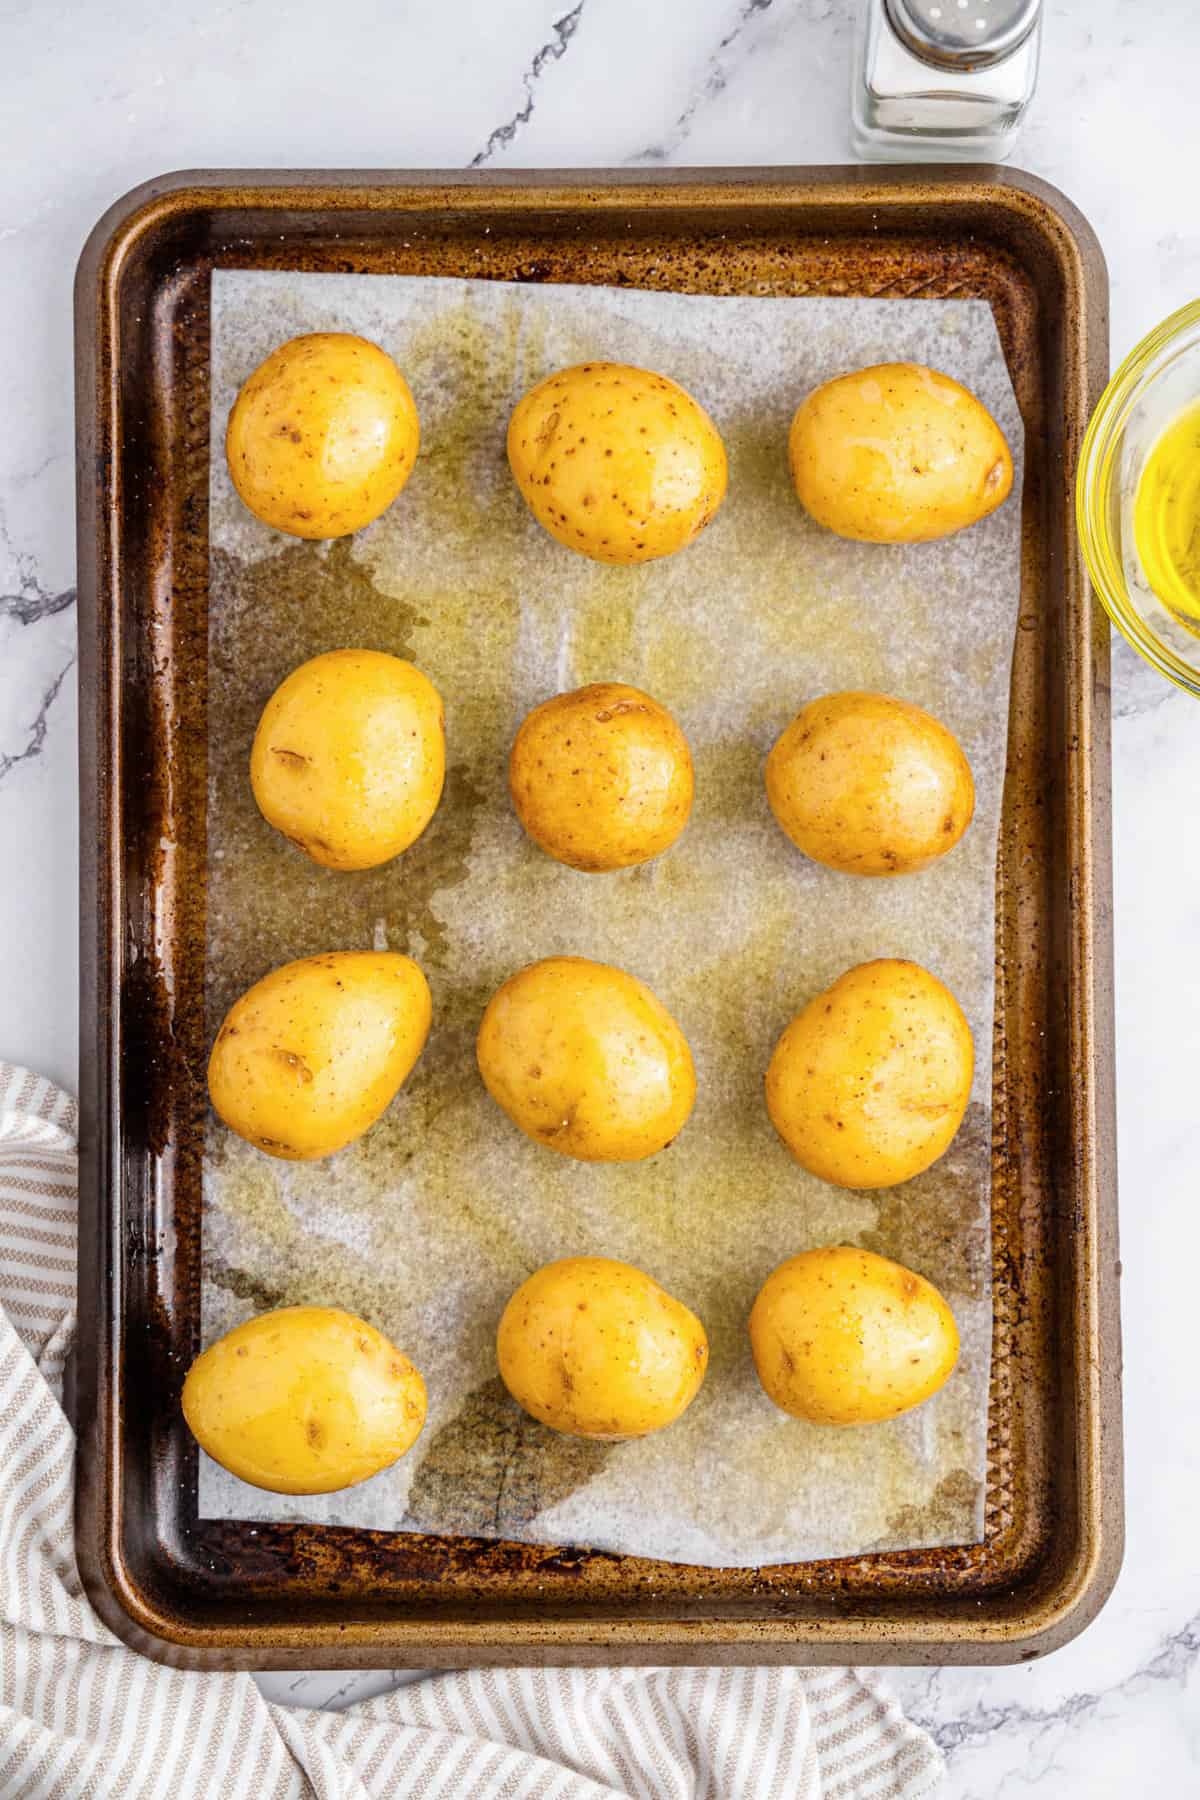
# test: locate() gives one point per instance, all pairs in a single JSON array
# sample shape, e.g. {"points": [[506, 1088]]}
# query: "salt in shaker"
{"points": [[942, 79]]}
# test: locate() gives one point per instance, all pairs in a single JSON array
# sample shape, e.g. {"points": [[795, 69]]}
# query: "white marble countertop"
{"points": [[95, 99]]}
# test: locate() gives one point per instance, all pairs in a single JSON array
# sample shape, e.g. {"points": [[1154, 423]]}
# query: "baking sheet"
{"points": [[429, 1222]]}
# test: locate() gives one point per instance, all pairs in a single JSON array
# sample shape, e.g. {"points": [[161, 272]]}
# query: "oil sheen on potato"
{"points": [[1166, 518]]}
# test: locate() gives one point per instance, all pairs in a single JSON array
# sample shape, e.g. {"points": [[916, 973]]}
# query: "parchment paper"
{"points": [[428, 1223]]}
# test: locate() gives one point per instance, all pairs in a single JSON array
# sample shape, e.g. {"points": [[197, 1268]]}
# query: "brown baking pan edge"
{"points": [[830, 1615]]}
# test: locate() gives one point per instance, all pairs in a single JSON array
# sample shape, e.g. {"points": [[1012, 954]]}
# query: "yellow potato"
{"points": [[304, 1400], [350, 756], [596, 1349], [617, 463], [868, 1085], [323, 435], [312, 1054], [584, 1059], [870, 785], [897, 454], [601, 778], [844, 1337]]}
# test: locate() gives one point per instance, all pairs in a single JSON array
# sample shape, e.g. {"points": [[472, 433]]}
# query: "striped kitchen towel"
{"points": [[80, 1715]]}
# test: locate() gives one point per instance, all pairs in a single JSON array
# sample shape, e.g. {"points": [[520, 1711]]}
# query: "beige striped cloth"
{"points": [[82, 1715]]}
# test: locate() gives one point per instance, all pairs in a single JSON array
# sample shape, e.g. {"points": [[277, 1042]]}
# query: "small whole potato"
{"points": [[897, 454], [868, 1085], [618, 463], [870, 785], [349, 757], [323, 435], [844, 1337], [304, 1400], [596, 1349], [586, 1060], [312, 1054], [601, 778]]}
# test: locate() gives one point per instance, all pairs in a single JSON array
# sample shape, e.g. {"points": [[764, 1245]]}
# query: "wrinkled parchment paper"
{"points": [[428, 1223]]}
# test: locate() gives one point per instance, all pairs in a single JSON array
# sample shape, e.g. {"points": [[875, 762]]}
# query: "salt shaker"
{"points": [[942, 79]]}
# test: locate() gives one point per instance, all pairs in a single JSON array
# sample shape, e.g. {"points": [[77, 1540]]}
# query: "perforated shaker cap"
{"points": [[962, 34]]}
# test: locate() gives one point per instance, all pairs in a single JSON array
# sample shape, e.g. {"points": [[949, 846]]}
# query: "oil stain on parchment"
{"points": [[933, 1221], [429, 1222], [493, 1469], [262, 891]]}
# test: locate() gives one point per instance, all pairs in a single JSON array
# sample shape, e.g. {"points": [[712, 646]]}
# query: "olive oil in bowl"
{"points": [[1166, 518]]}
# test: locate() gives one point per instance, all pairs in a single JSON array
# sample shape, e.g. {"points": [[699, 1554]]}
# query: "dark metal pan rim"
{"points": [[207, 1596]]}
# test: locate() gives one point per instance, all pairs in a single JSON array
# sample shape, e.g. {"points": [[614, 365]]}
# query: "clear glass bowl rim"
{"points": [[1094, 477]]}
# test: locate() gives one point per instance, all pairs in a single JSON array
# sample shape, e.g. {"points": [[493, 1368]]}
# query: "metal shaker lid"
{"points": [[962, 34]]}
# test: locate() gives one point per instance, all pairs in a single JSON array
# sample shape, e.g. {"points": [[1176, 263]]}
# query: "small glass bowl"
{"points": [[1152, 386]]}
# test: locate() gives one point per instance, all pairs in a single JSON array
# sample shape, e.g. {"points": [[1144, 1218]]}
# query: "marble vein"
{"points": [[744, 83], [1150, 699], [1173, 1661], [1137, 706], [1137, 687], [33, 600], [564, 30], [34, 603], [718, 70], [35, 742]]}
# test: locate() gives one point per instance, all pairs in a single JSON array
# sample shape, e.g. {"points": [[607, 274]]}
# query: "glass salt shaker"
{"points": [[942, 79]]}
